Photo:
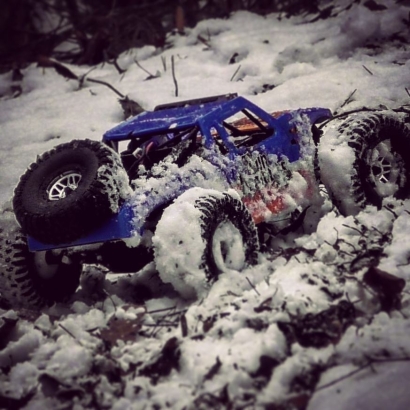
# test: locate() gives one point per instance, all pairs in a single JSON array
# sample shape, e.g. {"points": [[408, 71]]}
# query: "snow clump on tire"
{"points": [[365, 159], [202, 234]]}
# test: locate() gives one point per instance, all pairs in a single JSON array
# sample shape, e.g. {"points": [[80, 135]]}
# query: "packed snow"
{"points": [[322, 321]]}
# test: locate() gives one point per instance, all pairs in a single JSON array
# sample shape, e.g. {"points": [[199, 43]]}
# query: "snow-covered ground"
{"points": [[303, 328]]}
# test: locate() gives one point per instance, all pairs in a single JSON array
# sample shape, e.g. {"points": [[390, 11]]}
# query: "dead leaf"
{"points": [[387, 286], [122, 329]]}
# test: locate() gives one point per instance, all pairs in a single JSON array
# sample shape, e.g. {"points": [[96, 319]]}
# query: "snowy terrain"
{"points": [[305, 328]]}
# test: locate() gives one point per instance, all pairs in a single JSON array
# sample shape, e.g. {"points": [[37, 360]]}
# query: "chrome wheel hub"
{"points": [[228, 247], [385, 168], [63, 185]]}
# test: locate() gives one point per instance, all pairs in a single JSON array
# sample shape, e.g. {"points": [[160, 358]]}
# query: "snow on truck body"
{"points": [[273, 173]]}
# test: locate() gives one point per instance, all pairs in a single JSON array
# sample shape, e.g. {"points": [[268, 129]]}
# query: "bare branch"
{"points": [[92, 80], [236, 72], [145, 70], [252, 286], [204, 41], [367, 69], [173, 76], [348, 99], [69, 333]]}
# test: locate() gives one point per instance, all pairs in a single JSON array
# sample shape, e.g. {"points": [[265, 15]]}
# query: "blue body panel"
{"points": [[119, 226], [156, 122], [283, 143]]}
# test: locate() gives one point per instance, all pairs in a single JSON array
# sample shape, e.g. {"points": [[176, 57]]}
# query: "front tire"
{"points": [[364, 160], [202, 234], [28, 279], [69, 191]]}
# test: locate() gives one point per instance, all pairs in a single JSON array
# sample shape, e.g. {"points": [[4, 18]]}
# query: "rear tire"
{"points": [[28, 279]]}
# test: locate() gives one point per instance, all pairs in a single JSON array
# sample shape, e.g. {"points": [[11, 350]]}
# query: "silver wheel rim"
{"points": [[63, 185], [228, 247], [385, 168]]}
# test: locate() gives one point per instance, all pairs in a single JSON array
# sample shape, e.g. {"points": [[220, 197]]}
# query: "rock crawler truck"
{"points": [[193, 187]]}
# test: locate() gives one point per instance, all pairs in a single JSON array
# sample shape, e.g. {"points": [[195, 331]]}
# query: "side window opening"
{"points": [[247, 131], [151, 150], [218, 141]]}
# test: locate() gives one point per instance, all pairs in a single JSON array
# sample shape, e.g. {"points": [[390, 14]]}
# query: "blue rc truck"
{"points": [[193, 186]]}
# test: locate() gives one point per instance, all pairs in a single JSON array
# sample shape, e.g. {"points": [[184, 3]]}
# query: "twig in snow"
{"points": [[120, 70], [162, 310], [252, 286], [236, 72], [160, 322], [178, 312], [173, 76], [69, 333], [352, 227], [81, 79], [91, 80], [184, 325], [367, 69], [343, 240], [107, 294], [336, 247], [348, 99], [204, 41], [346, 376], [370, 364], [164, 63], [407, 90], [150, 76], [390, 210]]}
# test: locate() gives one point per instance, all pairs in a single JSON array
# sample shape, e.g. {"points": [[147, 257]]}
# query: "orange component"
{"points": [[259, 207], [277, 114]]}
